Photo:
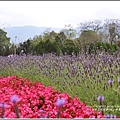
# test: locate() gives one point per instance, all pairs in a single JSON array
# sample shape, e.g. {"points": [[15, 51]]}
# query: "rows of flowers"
{"points": [[22, 98]]}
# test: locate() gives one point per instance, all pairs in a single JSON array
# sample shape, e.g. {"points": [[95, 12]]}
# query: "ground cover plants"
{"points": [[34, 100], [91, 80]]}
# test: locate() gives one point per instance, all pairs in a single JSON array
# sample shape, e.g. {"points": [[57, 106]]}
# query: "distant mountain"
{"points": [[25, 32]]}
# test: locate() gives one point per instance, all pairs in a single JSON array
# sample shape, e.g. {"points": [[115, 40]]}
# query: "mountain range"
{"points": [[19, 34]]}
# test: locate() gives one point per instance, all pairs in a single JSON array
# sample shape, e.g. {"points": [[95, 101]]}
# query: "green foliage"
{"points": [[107, 47], [46, 47], [89, 40], [4, 43], [69, 47], [49, 46], [56, 42], [40, 48], [88, 36]]}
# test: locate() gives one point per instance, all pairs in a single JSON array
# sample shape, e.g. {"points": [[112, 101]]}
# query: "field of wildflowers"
{"points": [[83, 86]]}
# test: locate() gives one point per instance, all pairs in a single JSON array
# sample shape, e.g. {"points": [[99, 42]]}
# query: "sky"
{"points": [[56, 13]]}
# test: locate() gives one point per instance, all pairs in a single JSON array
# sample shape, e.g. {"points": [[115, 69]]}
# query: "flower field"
{"points": [[34, 98], [86, 86]]}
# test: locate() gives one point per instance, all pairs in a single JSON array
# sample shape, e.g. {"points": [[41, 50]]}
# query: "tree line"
{"points": [[88, 37]]}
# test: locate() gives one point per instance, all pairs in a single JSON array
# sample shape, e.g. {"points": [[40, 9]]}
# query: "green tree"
{"points": [[69, 47], [34, 42], [60, 38], [49, 46], [78, 44], [40, 48], [88, 36], [52, 35], [4, 43]]}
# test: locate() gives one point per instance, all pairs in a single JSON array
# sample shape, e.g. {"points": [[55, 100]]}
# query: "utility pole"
{"points": [[15, 46]]}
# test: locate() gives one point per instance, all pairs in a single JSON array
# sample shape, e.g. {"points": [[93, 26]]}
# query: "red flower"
{"points": [[35, 96]]}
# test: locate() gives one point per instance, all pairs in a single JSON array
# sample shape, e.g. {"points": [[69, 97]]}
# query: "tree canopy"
{"points": [[87, 36], [4, 42]]}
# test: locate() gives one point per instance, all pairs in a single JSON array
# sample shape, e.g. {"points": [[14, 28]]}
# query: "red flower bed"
{"points": [[34, 97]]}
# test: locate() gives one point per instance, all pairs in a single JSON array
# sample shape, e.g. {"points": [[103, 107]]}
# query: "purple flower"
{"points": [[110, 81], [41, 116], [107, 116], [101, 98], [3, 105], [14, 99], [117, 59], [119, 79], [110, 116], [60, 102], [41, 111], [114, 116], [4, 116]]}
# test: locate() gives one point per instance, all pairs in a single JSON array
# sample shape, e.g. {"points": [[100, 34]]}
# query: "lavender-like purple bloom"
{"points": [[3, 105], [110, 81], [107, 116], [101, 98], [60, 102], [114, 116], [41, 111], [118, 79], [14, 99], [41, 114], [117, 59], [110, 116]]}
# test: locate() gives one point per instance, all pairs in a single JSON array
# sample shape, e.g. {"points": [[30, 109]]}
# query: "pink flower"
{"points": [[35, 97]]}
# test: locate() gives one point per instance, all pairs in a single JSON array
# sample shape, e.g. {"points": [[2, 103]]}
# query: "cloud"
{"points": [[56, 13]]}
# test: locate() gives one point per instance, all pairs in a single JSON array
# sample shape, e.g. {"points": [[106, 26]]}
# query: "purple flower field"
{"points": [[94, 79]]}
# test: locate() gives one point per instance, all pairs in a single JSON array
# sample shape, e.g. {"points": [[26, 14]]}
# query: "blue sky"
{"points": [[56, 13]]}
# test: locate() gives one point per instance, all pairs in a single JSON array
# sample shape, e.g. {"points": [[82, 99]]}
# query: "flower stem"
{"points": [[16, 110], [58, 114], [3, 111]]}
